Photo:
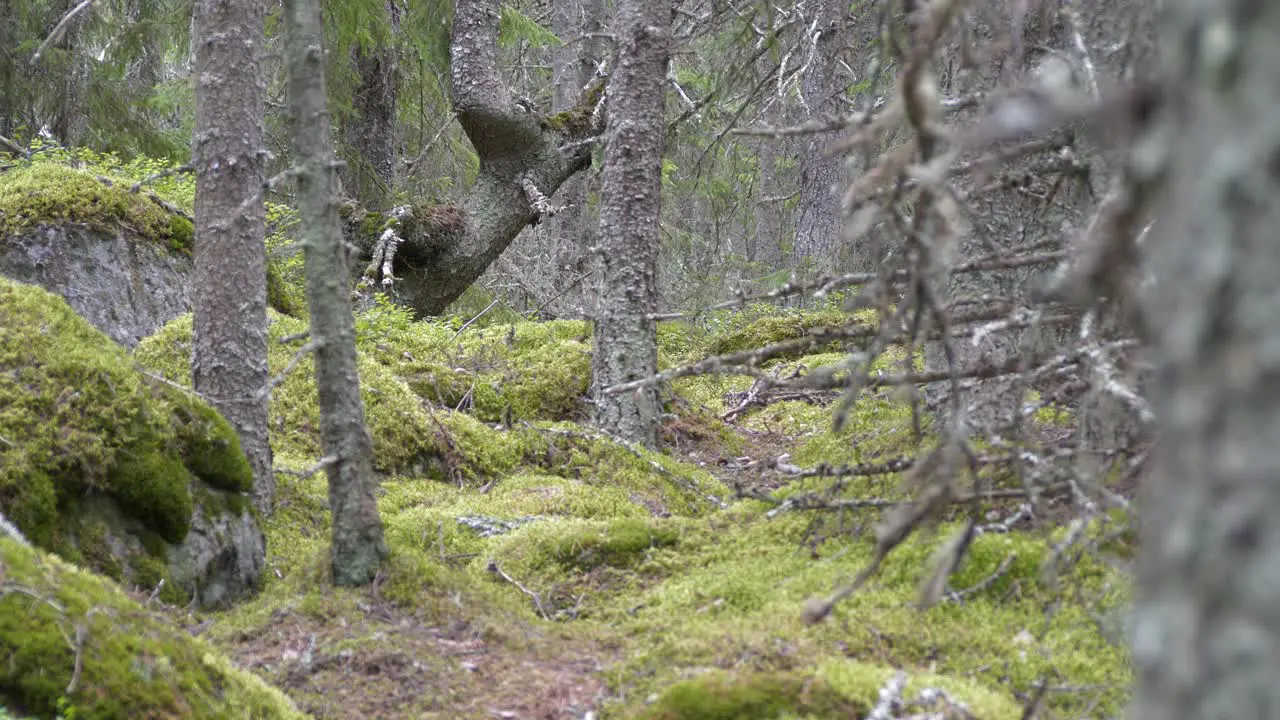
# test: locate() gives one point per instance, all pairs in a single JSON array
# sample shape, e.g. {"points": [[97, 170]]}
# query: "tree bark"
{"points": [[1206, 634], [449, 247], [818, 215], [370, 131], [229, 294], [625, 332], [358, 546], [71, 121]]}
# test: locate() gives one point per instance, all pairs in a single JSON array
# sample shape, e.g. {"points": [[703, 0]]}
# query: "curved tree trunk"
{"points": [[229, 291], [446, 248], [1206, 636], [626, 346]]}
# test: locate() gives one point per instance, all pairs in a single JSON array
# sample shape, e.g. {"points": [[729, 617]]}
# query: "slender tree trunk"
{"points": [[358, 545], [1206, 635], [229, 294], [625, 332]]}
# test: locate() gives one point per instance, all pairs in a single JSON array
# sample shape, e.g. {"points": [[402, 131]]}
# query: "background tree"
{"points": [[370, 132], [229, 295], [626, 344], [818, 217], [358, 547]]}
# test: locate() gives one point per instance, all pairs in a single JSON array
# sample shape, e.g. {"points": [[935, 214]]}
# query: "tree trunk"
{"points": [[818, 215], [358, 545], [370, 131], [625, 332], [1206, 635], [451, 246], [71, 121], [229, 293], [7, 100]]}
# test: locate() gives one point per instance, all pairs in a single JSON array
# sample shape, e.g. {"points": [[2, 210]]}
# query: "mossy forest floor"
{"points": [[540, 570]]}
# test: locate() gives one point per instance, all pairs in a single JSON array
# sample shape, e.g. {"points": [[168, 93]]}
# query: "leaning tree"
{"points": [[430, 252]]}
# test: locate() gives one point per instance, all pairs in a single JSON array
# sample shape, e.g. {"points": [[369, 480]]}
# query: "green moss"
{"points": [[212, 448], [152, 487], [751, 696], [282, 296], [620, 543], [401, 428], [78, 418], [93, 537], [29, 500], [629, 549], [678, 343], [759, 326], [853, 679], [132, 663], [181, 234], [46, 193], [524, 371]]}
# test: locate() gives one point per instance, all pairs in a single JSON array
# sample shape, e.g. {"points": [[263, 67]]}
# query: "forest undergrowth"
{"points": [[540, 569]]}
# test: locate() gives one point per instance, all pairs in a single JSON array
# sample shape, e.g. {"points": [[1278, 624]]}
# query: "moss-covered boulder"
{"points": [[115, 470], [75, 645], [519, 371], [118, 258]]}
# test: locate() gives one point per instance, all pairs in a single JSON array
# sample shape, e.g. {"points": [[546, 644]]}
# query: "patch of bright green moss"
{"points": [[755, 327], [132, 663], [523, 371], [77, 417], [751, 696], [732, 593], [47, 193], [402, 430]]}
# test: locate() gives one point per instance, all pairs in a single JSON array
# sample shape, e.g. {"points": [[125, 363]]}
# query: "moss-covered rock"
{"points": [[521, 371], [83, 428], [752, 696], [76, 646], [403, 433], [757, 326], [50, 193]]}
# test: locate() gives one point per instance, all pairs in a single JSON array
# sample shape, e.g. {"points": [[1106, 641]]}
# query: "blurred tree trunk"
{"points": [[229, 292], [370, 130], [71, 120], [358, 546], [625, 332], [1206, 635], [7, 98]]}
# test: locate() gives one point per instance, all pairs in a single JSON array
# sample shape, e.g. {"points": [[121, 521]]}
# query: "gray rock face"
{"points": [[220, 561], [125, 286], [223, 555]]}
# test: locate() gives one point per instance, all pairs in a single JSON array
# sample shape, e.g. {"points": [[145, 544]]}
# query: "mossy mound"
{"points": [[758, 326], [520, 371], [76, 646], [402, 431], [78, 420], [47, 193]]}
